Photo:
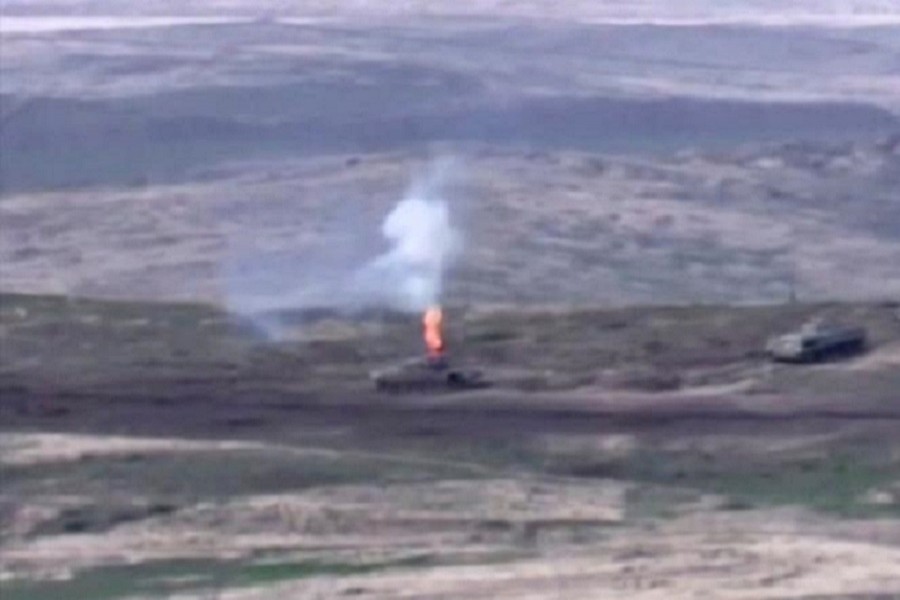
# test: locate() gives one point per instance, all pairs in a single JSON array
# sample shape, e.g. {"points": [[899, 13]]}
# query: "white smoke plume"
{"points": [[422, 244]]}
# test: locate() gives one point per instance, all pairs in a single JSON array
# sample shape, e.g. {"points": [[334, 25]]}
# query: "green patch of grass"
{"points": [[264, 573], [163, 578], [203, 476], [110, 583], [834, 484], [656, 502]]}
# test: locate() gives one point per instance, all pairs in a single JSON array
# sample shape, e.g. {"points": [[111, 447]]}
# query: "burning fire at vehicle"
{"points": [[433, 333], [433, 372]]}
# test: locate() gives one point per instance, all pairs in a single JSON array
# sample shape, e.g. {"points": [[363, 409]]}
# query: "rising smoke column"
{"points": [[423, 244], [421, 241]]}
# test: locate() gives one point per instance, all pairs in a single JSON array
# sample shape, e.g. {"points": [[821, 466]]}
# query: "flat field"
{"points": [[154, 450], [645, 192]]}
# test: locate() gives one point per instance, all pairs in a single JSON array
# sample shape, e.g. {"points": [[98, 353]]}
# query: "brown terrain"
{"points": [[645, 193], [154, 450]]}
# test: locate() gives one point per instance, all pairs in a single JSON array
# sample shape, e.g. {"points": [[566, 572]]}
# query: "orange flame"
{"points": [[433, 331]]}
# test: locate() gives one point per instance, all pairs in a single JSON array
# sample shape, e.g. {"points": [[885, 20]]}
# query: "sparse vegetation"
{"points": [[628, 178], [164, 578], [525, 467]]}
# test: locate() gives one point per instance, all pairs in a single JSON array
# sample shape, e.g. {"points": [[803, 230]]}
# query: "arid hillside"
{"points": [[157, 451]]}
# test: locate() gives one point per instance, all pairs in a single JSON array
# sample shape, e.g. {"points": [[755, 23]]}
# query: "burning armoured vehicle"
{"points": [[432, 372], [421, 374], [815, 342]]}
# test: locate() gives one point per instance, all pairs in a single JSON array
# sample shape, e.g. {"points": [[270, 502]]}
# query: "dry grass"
{"points": [[185, 455]]}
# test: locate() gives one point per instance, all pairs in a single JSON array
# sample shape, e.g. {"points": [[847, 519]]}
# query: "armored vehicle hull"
{"points": [[817, 343], [428, 375]]}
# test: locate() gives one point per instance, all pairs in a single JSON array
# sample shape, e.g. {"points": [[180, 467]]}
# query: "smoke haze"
{"points": [[422, 244]]}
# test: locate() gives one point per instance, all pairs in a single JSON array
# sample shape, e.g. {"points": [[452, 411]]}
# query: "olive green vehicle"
{"points": [[817, 342], [423, 374]]}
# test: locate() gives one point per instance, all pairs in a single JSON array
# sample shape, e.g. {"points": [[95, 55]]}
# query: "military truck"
{"points": [[816, 342], [426, 374]]}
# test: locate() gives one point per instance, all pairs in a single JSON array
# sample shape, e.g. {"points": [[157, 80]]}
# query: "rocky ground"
{"points": [[169, 451], [598, 157], [748, 225], [645, 194]]}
